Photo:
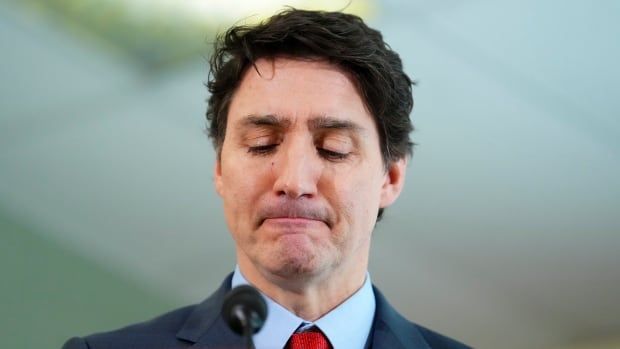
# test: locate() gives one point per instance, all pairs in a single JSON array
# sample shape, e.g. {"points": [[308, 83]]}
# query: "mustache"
{"points": [[295, 209]]}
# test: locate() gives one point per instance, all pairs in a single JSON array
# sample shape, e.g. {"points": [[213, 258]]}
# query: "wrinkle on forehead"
{"points": [[269, 74]]}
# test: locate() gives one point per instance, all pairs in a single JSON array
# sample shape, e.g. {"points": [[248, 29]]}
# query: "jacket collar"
{"points": [[392, 330], [205, 325]]}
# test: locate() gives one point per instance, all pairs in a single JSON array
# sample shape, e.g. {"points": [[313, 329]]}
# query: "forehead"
{"points": [[299, 89]]}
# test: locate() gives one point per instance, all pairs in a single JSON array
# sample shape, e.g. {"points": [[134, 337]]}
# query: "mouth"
{"points": [[295, 213], [293, 225], [299, 222]]}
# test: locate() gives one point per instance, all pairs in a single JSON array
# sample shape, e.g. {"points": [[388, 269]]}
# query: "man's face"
{"points": [[300, 171]]}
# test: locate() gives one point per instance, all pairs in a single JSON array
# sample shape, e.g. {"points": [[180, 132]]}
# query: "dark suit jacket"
{"points": [[201, 326]]}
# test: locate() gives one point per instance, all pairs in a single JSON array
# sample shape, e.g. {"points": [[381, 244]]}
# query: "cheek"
{"points": [[356, 200], [244, 184], [364, 195]]}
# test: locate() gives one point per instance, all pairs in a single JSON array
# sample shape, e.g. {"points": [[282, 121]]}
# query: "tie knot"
{"points": [[310, 339]]}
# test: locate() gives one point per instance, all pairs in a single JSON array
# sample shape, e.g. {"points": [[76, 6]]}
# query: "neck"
{"points": [[307, 296]]}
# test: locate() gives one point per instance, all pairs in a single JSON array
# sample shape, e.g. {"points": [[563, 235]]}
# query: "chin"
{"points": [[295, 257], [295, 263]]}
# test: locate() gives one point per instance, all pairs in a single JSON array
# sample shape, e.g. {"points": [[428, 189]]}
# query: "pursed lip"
{"points": [[294, 213], [293, 225], [293, 220]]}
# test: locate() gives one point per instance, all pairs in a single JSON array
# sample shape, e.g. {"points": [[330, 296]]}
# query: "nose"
{"points": [[297, 170]]}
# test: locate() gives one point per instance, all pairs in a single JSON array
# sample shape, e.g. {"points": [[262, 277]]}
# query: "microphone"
{"points": [[244, 311]]}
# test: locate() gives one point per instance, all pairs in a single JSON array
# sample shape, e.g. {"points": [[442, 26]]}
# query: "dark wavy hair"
{"points": [[338, 38]]}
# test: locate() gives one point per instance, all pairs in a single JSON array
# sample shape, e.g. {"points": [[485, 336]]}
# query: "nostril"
{"points": [[294, 192]]}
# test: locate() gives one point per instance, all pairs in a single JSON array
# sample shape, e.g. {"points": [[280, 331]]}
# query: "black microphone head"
{"points": [[244, 306]]}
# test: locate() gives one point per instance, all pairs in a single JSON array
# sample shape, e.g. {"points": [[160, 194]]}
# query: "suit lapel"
{"points": [[391, 330], [206, 328]]}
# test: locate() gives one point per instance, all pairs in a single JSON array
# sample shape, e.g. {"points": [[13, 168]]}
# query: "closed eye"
{"points": [[262, 149], [325, 153], [332, 155]]}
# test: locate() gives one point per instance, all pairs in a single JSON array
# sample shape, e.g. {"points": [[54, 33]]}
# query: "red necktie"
{"points": [[311, 339]]}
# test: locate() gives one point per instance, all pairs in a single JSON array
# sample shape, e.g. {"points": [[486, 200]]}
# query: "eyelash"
{"points": [[262, 149], [327, 154], [332, 155]]}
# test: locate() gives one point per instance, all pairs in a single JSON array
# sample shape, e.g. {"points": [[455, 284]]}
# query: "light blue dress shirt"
{"points": [[347, 326]]}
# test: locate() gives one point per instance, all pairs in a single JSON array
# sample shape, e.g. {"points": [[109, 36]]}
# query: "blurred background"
{"points": [[507, 234]]}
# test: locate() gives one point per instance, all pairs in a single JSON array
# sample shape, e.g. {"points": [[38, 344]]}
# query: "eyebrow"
{"points": [[317, 123], [264, 120], [331, 123]]}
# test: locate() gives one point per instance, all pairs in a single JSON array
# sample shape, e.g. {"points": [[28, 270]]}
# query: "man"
{"points": [[309, 116]]}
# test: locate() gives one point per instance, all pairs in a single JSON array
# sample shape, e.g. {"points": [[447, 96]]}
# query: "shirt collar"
{"points": [[346, 326]]}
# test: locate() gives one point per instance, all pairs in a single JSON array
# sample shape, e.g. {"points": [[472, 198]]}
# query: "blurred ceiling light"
{"points": [[157, 34]]}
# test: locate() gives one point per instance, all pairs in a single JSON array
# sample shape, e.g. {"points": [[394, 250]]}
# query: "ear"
{"points": [[394, 182], [217, 176]]}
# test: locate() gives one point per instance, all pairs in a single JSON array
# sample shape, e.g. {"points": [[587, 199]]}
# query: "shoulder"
{"points": [[179, 328], [439, 341], [159, 332]]}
